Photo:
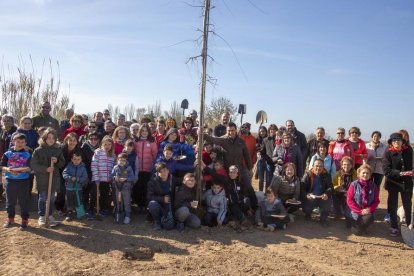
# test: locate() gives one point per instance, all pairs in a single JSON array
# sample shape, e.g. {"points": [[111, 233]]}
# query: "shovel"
{"points": [[98, 207], [261, 118], [407, 232], [119, 216], [49, 192], [80, 210]]}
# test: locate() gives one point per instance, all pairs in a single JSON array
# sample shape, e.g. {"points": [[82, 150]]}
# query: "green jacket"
{"points": [[41, 161]]}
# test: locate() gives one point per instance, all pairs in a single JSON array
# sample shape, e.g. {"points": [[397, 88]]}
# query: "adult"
{"points": [[171, 123], [398, 168], [376, 150], [188, 131], [362, 201], [249, 140], [134, 129], [340, 148], [235, 152], [328, 162], [300, 140], [85, 120], [76, 126], [221, 128], [287, 187], [358, 145], [106, 115], [405, 136], [6, 132], [193, 114], [316, 189], [109, 128], [267, 153], [286, 152], [98, 118], [313, 143], [32, 137], [44, 119], [261, 162], [65, 123], [120, 120]]}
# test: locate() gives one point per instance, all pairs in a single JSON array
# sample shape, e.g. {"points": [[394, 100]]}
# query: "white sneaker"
{"points": [[42, 221], [127, 220], [52, 221], [387, 218]]}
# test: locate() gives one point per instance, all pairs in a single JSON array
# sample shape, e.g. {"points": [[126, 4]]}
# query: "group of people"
{"points": [[104, 166]]}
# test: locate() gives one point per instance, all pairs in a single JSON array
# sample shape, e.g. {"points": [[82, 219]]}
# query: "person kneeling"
{"points": [[362, 201], [271, 214], [216, 201]]}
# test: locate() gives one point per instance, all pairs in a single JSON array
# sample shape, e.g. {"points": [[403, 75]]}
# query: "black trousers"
{"points": [[392, 202]]}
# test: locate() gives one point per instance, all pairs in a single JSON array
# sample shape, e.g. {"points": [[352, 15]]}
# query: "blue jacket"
{"points": [[173, 165], [75, 171], [31, 137], [123, 171], [16, 159]]}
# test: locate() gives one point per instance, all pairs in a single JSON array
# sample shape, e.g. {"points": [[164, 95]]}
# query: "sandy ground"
{"points": [[104, 248]]}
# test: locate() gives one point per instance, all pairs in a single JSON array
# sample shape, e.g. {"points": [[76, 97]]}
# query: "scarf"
{"points": [[364, 192], [346, 178], [394, 149]]}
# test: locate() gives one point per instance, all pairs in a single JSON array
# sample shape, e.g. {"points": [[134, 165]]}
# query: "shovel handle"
{"points": [[98, 195], [49, 192]]}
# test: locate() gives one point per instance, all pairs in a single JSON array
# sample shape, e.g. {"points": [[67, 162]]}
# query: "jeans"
{"points": [[393, 204], [211, 219], [126, 197], [156, 210], [261, 170], [324, 206], [17, 190], [42, 203], [270, 169], [183, 215]]}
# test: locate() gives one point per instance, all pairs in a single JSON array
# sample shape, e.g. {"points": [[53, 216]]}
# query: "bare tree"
{"points": [[217, 107], [155, 109], [174, 112], [129, 111], [139, 113]]}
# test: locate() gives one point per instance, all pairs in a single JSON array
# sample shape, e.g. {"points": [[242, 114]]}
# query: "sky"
{"points": [[321, 63]]}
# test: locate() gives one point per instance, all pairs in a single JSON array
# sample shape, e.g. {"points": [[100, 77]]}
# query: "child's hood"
{"points": [[81, 165], [169, 132]]}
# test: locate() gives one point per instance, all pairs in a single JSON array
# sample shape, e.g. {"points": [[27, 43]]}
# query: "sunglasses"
{"points": [[340, 133], [92, 126]]}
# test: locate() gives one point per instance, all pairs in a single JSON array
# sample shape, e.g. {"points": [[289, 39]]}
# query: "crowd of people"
{"points": [[102, 166]]}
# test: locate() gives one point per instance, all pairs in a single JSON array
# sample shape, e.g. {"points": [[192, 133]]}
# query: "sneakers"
{"points": [[52, 221], [24, 224], [180, 227], [127, 220], [387, 218], [69, 216], [42, 221], [9, 222], [394, 232], [157, 226], [270, 228]]}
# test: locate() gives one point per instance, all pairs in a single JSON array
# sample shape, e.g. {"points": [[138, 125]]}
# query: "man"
{"points": [[45, 120], [65, 123], [99, 122], [249, 140], [235, 153], [220, 129], [121, 120], [193, 114], [313, 143], [106, 115], [7, 129], [300, 140]]}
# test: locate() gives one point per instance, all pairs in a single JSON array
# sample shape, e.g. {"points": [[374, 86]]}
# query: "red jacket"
{"points": [[362, 149], [80, 131], [251, 146]]}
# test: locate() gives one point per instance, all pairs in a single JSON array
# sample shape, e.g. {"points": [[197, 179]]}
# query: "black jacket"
{"points": [[155, 191], [307, 183], [395, 162], [183, 197]]}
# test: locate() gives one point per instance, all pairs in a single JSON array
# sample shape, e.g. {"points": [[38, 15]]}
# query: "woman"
{"points": [[266, 154], [358, 145], [32, 137], [7, 130], [341, 181], [322, 154], [76, 126], [187, 129], [316, 189], [69, 146], [286, 152], [376, 151], [362, 201], [340, 148], [134, 129], [287, 187], [398, 168], [121, 134], [261, 163], [146, 150]]}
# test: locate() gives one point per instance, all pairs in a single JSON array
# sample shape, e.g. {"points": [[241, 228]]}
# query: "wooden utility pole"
{"points": [[204, 56]]}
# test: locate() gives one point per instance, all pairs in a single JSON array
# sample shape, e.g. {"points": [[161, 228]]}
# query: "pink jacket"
{"points": [[146, 153]]}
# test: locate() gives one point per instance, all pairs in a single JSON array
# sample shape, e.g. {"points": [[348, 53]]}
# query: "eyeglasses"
{"points": [[92, 126], [354, 132], [340, 133]]}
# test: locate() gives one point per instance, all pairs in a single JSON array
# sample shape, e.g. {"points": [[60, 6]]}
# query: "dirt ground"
{"points": [[104, 248]]}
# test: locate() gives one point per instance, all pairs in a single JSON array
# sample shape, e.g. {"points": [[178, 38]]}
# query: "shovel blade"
{"points": [[407, 235], [80, 212]]}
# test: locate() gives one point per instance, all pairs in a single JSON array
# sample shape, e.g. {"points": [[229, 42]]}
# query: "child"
{"points": [[362, 200], [48, 151], [217, 171], [341, 182], [75, 176], [103, 162], [161, 190], [208, 146], [269, 208], [119, 137], [216, 201], [241, 197], [184, 202], [132, 158], [123, 179], [172, 164], [15, 164]]}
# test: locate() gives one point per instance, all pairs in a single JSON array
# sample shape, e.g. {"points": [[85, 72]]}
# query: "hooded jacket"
{"points": [[79, 172], [146, 150], [216, 203]]}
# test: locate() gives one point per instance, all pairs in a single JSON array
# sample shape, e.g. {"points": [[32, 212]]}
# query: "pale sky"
{"points": [[320, 63]]}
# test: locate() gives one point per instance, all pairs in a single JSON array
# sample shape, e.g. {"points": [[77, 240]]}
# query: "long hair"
{"points": [[49, 130]]}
